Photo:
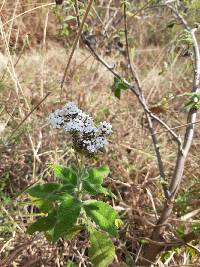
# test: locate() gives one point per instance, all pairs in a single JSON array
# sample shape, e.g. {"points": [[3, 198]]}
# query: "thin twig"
{"points": [[152, 251], [148, 113], [77, 13], [179, 126], [28, 11], [133, 72], [134, 90], [27, 116], [74, 45], [101, 21]]}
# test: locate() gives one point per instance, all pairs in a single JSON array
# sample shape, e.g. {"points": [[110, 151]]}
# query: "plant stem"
{"points": [[80, 168]]}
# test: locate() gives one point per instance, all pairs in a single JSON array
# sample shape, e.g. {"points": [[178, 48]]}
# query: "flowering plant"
{"points": [[67, 206], [86, 137]]}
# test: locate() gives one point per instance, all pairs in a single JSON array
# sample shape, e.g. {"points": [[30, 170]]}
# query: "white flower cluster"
{"points": [[86, 136]]}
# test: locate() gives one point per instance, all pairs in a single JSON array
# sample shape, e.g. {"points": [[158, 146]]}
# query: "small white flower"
{"points": [[56, 119], [70, 108], [100, 142], [89, 146], [74, 125], [74, 120], [105, 127]]}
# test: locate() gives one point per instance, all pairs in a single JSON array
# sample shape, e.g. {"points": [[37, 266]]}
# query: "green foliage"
{"points": [[196, 227], [180, 230], [186, 201], [7, 226], [47, 192], [43, 224], [102, 214], [67, 209], [194, 102], [71, 264], [102, 250], [64, 18], [191, 10], [185, 38], [60, 221], [93, 179], [118, 86], [67, 175], [67, 215]]}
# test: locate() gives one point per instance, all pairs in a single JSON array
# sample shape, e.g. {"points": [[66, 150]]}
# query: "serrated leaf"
{"points": [[49, 191], [98, 174], [42, 205], [68, 213], [42, 224], [93, 180], [93, 188], [102, 214], [101, 172], [102, 250], [67, 175]]}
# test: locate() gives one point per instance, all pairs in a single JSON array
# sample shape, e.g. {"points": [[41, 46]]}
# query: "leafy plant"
{"points": [[68, 206], [67, 210]]}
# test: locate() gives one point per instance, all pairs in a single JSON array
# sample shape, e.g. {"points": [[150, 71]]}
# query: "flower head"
{"points": [[86, 137]]}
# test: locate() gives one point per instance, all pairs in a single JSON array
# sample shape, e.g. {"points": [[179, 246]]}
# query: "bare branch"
{"points": [[132, 88], [151, 253], [75, 44]]}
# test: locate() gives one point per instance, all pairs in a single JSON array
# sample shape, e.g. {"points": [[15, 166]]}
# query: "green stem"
{"points": [[79, 175]]}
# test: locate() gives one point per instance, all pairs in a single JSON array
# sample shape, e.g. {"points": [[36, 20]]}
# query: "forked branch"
{"points": [[151, 252]]}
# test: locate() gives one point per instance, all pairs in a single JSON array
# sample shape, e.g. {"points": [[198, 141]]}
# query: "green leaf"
{"points": [[42, 224], [67, 175], [42, 205], [196, 227], [68, 213], [71, 264], [102, 250], [73, 232], [93, 188], [49, 191], [118, 223], [117, 86], [67, 18], [102, 214], [67, 235], [94, 178], [98, 174]]}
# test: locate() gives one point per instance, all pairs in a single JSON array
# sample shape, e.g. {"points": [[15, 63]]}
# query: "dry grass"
{"points": [[26, 78]]}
